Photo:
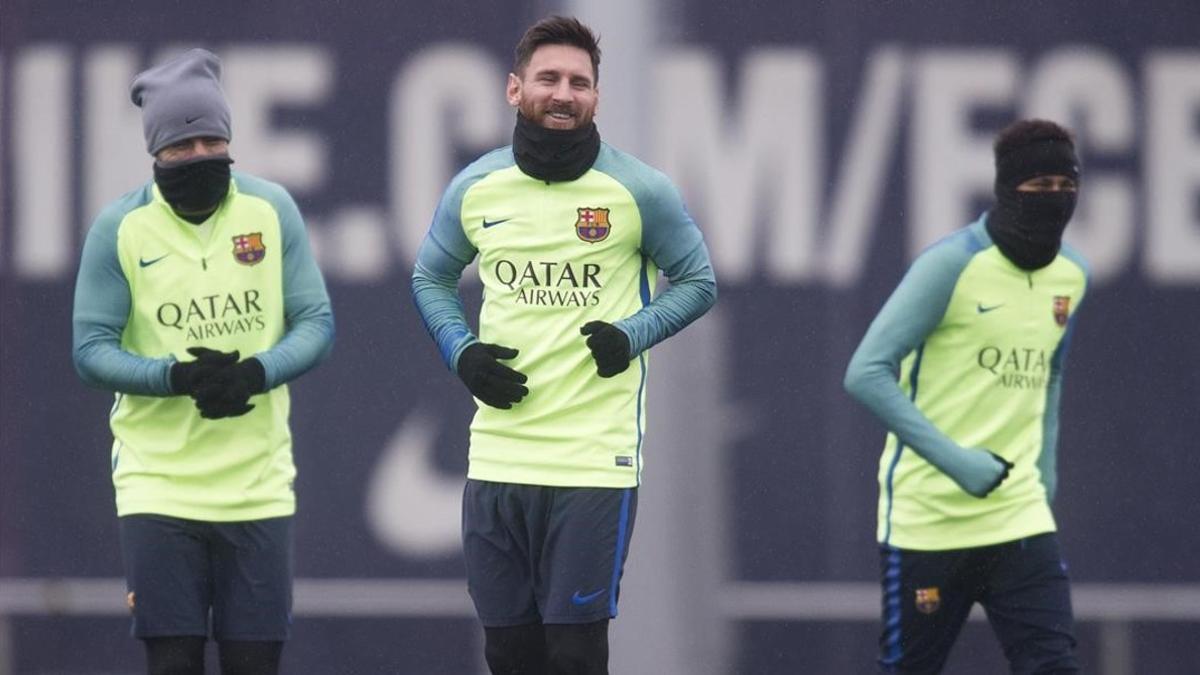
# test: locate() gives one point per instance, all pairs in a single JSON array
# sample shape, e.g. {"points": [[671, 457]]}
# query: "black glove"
{"points": [[609, 345], [1003, 474], [186, 376], [227, 392], [489, 380]]}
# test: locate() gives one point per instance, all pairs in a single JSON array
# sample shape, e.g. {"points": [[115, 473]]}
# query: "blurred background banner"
{"points": [[820, 146]]}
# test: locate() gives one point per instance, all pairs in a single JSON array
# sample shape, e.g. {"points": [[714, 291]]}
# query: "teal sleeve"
{"points": [[443, 256], [101, 309], [912, 312], [308, 313], [671, 239], [1047, 462]]}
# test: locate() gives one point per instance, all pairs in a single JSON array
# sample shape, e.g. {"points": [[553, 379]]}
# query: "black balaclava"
{"points": [[1028, 226], [554, 155], [195, 187]]}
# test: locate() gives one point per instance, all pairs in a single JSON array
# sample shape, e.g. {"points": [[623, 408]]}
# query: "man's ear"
{"points": [[513, 91]]}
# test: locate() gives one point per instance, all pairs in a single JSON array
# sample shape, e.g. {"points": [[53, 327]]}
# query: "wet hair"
{"points": [[1026, 132], [557, 30]]}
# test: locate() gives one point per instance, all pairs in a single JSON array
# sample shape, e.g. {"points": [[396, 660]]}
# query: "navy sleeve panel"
{"points": [[912, 312], [101, 310], [1048, 459], [673, 241], [307, 310], [443, 256]]}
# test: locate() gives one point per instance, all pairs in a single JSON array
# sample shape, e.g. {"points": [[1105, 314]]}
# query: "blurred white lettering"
{"points": [[1087, 90], [753, 171], [42, 176], [750, 167], [257, 80], [863, 178], [449, 98], [1172, 164], [949, 161], [115, 159]]}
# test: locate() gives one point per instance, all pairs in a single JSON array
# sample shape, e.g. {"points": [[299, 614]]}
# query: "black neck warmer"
{"points": [[194, 188], [1028, 226], [554, 155]]}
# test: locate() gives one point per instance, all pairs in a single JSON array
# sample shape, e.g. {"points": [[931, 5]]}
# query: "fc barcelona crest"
{"points": [[928, 600], [1062, 309], [248, 249], [592, 225]]}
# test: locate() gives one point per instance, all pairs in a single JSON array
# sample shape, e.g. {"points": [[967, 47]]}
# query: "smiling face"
{"points": [[556, 89]]}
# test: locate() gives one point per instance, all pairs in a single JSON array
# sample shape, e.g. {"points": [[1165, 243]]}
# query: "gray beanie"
{"points": [[182, 99]]}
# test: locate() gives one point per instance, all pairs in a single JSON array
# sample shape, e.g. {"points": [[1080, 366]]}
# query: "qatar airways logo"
{"points": [[550, 283], [211, 316], [1015, 367]]}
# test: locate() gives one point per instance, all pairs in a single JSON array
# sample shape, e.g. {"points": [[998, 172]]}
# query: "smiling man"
{"points": [[570, 234], [179, 280], [964, 365]]}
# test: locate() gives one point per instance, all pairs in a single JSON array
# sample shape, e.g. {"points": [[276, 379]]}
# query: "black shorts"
{"points": [[538, 554], [1021, 584], [178, 570]]}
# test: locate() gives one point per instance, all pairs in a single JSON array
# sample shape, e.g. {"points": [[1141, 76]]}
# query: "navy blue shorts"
{"points": [[1022, 586], [538, 554], [178, 570]]}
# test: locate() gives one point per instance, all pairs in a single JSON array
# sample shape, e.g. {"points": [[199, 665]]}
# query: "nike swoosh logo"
{"points": [[142, 262], [984, 310], [189, 120], [585, 599], [493, 223]]}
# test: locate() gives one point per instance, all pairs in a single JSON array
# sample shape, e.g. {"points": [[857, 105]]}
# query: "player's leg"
{"points": [[252, 593], [515, 650], [250, 657], [1028, 603], [181, 655], [500, 547], [586, 544], [577, 648], [167, 577], [927, 596]]}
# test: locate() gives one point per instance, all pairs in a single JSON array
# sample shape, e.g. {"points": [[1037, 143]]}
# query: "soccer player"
{"points": [[570, 234], [964, 367], [179, 280]]}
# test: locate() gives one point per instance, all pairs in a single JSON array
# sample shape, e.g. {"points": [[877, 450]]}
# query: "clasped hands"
{"points": [[220, 384]]}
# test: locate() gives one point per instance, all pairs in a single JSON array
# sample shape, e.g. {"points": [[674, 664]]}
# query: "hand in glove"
{"points": [[227, 392], [979, 471], [187, 376], [489, 380], [609, 345]]}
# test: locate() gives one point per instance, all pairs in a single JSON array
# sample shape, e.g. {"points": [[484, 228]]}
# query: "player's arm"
{"points": [[912, 312], [443, 256], [102, 305], [673, 241], [307, 311], [1048, 459]]}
